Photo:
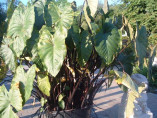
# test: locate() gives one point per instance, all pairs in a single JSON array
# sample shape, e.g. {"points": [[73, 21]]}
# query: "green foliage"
{"points": [[141, 43], [144, 12], [9, 101], [52, 49], [3, 70], [21, 23], [143, 71], [63, 50], [84, 48], [60, 101], [44, 84], [59, 15], [107, 43], [8, 54], [124, 80], [2, 20], [25, 81], [153, 82]]}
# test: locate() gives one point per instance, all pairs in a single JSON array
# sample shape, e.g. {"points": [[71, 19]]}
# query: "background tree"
{"points": [[145, 13]]}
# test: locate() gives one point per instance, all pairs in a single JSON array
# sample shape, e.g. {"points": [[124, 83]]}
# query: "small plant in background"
{"points": [[63, 49]]}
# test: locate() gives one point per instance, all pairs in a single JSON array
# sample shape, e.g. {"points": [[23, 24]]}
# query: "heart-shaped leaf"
{"points": [[25, 80], [107, 44], [59, 14], [52, 49], [21, 22], [10, 100]]}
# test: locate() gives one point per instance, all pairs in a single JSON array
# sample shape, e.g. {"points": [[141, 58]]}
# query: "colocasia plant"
{"points": [[61, 56]]}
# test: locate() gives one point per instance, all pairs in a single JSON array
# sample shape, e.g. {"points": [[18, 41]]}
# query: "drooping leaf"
{"points": [[21, 23], [44, 84], [93, 4], [129, 110], [60, 15], [52, 49], [25, 80], [106, 6], [125, 79], [10, 100], [107, 44], [87, 15], [90, 8], [141, 44], [128, 28], [8, 54], [71, 70]]}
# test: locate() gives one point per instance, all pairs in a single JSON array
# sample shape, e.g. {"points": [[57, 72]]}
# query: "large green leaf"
{"points": [[83, 43], [87, 14], [44, 84], [10, 100], [107, 45], [39, 13], [93, 4], [60, 15], [10, 9], [52, 49], [129, 110], [90, 8], [18, 46], [8, 54], [25, 80], [141, 43], [32, 43], [124, 79], [21, 23], [84, 48], [128, 28], [20, 27]]}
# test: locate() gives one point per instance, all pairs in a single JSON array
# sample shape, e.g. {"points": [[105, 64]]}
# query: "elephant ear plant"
{"points": [[68, 56]]}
